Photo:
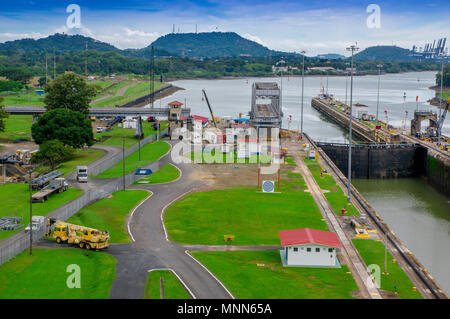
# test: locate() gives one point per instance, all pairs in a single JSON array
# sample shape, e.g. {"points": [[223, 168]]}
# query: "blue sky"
{"points": [[314, 26]]}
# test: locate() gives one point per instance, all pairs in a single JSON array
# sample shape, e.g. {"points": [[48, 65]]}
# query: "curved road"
{"points": [[151, 249]]}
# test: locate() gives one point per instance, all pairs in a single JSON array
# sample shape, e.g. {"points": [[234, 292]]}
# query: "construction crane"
{"points": [[442, 119], [210, 109]]}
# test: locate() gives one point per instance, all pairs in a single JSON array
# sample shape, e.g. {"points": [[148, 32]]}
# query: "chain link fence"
{"points": [[14, 245]]}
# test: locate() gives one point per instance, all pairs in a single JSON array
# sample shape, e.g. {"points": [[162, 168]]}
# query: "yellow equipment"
{"points": [[84, 237], [213, 118]]}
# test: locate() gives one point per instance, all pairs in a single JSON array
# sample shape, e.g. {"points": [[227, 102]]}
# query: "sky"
{"points": [[325, 26]]}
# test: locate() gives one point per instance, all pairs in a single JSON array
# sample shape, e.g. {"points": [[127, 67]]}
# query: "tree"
{"points": [[446, 76], [53, 152], [70, 127], [3, 115], [17, 74], [69, 91]]}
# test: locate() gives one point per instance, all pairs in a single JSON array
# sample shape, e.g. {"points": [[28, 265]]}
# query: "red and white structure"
{"points": [[309, 247]]}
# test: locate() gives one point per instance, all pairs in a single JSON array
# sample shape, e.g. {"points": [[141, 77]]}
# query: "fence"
{"points": [[14, 245]]}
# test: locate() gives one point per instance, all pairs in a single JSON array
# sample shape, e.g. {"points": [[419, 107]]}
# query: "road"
{"points": [[151, 249]]}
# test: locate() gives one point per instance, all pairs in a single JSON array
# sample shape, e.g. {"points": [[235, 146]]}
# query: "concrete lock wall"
{"points": [[14, 245], [438, 174], [378, 162]]}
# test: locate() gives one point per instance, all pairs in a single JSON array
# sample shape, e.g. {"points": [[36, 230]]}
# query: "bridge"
{"points": [[99, 111]]}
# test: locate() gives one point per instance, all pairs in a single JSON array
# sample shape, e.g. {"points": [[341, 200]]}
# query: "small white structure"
{"points": [[309, 247]]}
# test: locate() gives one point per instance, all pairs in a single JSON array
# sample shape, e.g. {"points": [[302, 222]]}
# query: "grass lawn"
{"points": [[15, 201], [372, 252], [210, 157], [149, 153], [116, 134], [17, 126], [165, 174], [132, 93], [30, 99], [240, 273], [336, 197], [254, 218], [82, 157], [44, 275], [110, 214], [173, 289]]}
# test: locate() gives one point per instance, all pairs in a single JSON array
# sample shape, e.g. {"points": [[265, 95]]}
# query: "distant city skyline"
{"points": [[318, 27]]}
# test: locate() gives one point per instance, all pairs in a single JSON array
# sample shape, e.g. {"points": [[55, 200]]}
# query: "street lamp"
{"points": [[31, 211], [379, 66], [123, 162], [440, 100], [303, 89], [352, 48]]}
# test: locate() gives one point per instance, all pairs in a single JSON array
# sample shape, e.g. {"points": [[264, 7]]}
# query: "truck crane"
{"points": [[84, 237], [210, 109]]}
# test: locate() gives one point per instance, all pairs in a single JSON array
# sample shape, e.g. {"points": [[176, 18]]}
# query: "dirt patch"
{"points": [[9, 148], [388, 294], [357, 294]]}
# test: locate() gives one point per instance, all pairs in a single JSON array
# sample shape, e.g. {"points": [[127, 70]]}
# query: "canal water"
{"points": [[418, 214]]}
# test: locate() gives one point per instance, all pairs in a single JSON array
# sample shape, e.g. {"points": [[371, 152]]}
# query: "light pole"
{"points": [[123, 162], [379, 66], [31, 211], [303, 89], [440, 100], [352, 48]]}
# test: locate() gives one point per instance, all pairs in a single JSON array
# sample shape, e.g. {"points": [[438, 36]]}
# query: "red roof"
{"points": [[199, 118], [175, 103], [308, 236]]}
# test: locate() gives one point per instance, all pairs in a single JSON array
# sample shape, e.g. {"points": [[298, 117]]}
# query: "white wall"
{"points": [[312, 258]]}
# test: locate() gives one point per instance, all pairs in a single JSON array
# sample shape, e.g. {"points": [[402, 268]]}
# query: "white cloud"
{"points": [[254, 38]]}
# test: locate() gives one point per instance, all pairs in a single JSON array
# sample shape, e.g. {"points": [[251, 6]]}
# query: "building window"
{"points": [[330, 250], [295, 249], [317, 250], [308, 249]]}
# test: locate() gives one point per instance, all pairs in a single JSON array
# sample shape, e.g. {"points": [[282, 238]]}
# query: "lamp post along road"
{"points": [[303, 89], [31, 213], [378, 94], [352, 48], [123, 162], [440, 100]]}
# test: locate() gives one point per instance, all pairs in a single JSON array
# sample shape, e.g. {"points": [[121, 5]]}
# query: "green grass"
{"points": [[173, 289], [164, 174], [17, 126], [240, 273], [336, 197], [373, 252], [132, 93], [29, 99], [110, 214], [253, 217], [149, 153], [15, 200], [81, 157], [116, 134], [209, 158], [44, 275]]}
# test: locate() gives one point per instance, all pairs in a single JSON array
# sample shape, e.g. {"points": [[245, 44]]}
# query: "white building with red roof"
{"points": [[309, 247]]}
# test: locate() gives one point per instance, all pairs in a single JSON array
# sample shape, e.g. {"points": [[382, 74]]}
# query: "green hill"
{"points": [[384, 53], [210, 45]]}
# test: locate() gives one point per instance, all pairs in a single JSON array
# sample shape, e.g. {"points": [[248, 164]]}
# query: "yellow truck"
{"points": [[84, 237]]}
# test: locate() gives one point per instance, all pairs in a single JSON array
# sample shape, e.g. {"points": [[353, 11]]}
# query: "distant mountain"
{"points": [[330, 56], [384, 53], [58, 42], [210, 45]]}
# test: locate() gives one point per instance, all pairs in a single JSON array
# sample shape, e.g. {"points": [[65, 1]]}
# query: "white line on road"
{"points": [[179, 278], [223, 286], [132, 213]]}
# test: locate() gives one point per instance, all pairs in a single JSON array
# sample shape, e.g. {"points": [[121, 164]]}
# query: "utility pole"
{"points": [[352, 48], [31, 212], [303, 89], [85, 61], [440, 100], [379, 66], [152, 78], [54, 65], [139, 137], [46, 69], [123, 162]]}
